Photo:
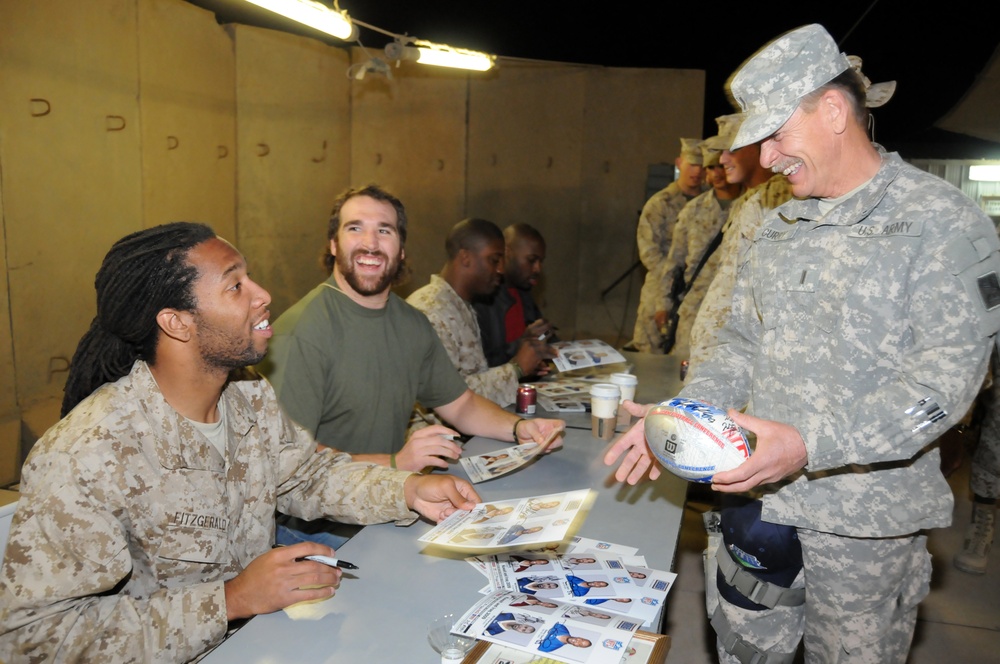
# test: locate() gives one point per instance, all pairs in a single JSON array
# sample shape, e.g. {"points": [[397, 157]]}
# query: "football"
{"points": [[694, 439]]}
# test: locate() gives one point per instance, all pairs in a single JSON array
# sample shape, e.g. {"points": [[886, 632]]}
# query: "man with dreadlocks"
{"points": [[146, 519]]}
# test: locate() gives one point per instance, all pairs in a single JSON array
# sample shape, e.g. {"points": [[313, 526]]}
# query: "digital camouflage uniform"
{"points": [[745, 218], [984, 472], [697, 225], [455, 322], [653, 235], [868, 328], [130, 521]]}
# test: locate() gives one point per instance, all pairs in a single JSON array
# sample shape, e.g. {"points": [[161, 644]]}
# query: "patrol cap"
{"points": [[690, 151], [769, 551], [709, 155], [769, 86], [728, 126]]}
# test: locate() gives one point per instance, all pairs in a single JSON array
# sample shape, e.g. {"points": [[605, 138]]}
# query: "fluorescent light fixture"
{"points": [[314, 15], [440, 55], [985, 172]]}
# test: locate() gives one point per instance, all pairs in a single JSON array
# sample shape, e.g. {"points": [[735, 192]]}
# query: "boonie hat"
{"points": [[770, 84], [876, 94], [690, 150]]}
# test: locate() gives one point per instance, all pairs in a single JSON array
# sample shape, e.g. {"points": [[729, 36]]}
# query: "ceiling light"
{"points": [[440, 55], [985, 172], [314, 15]]}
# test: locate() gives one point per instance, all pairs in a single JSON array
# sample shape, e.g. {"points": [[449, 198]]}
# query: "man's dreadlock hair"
{"points": [[142, 273]]}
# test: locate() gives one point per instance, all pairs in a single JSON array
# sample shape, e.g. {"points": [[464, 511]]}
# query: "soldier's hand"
{"points": [[279, 578], [531, 356], [438, 496], [780, 451], [428, 447], [539, 328], [543, 431], [632, 444]]}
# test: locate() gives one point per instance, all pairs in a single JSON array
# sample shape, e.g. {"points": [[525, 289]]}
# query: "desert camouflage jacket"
{"points": [[130, 521], [652, 236], [745, 219], [456, 324]]}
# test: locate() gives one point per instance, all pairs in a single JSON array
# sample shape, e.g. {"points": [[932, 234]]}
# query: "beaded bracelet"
{"points": [[519, 420]]}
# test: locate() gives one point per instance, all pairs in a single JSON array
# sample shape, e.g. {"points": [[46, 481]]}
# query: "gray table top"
{"points": [[659, 379], [382, 611]]}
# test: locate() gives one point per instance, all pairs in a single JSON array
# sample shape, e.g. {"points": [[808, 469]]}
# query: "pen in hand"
{"points": [[326, 560], [332, 562]]}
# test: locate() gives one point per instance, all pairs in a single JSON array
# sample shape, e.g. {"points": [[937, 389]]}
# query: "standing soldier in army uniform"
{"points": [[863, 319], [745, 219], [696, 237], [653, 235], [984, 482]]}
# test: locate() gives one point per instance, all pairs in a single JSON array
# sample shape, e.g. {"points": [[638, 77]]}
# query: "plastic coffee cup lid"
{"points": [[605, 390], [624, 379]]}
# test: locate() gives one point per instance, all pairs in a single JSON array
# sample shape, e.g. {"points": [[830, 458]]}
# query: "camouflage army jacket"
{"points": [[456, 324], [745, 219], [697, 225], [860, 327], [130, 521]]}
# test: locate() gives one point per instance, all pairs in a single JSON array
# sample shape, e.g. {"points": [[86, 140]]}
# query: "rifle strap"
{"points": [[709, 250]]}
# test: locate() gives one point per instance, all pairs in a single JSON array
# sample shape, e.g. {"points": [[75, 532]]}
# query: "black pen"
{"points": [[326, 560], [332, 562]]}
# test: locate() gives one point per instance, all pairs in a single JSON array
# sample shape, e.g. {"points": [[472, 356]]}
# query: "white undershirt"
{"points": [[215, 431]]}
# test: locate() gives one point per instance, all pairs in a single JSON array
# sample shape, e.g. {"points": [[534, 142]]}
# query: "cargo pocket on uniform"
{"points": [[913, 589]]}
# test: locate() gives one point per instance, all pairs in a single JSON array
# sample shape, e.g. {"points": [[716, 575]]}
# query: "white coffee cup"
{"points": [[627, 383], [604, 398]]}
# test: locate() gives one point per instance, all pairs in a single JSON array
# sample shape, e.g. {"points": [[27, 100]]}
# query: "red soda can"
{"points": [[526, 399]]}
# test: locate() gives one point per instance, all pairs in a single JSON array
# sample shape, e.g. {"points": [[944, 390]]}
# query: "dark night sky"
{"points": [[934, 52]]}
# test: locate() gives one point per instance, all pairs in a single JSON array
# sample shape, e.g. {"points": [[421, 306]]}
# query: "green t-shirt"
{"points": [[351, 375]]}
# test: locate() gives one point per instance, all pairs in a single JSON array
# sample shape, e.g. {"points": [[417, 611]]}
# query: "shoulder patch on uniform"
{"points": [[989, 290], [975, 260]]}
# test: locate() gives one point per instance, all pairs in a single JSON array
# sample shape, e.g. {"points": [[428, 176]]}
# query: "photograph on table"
{"points": [[592, 579], [494, 513], [584, 544], [644, 648], [572, 355], [563, 405], [547, 519], [493, 464], [565, 635]]}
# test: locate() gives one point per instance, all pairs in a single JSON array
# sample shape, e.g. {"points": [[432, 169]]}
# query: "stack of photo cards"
{"points": [[587, 572], [572, 355], [550, 628], [563, 395], [507, 524], [588, 579]]}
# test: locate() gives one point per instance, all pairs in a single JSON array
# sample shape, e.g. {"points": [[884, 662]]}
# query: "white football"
{"points": [[694, 439]]}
